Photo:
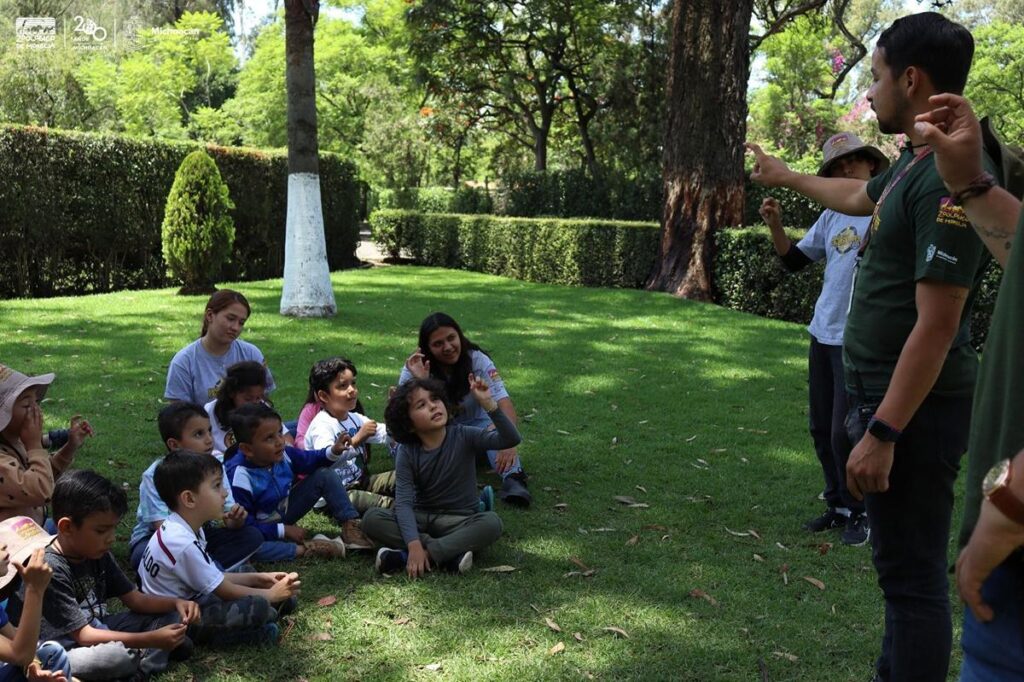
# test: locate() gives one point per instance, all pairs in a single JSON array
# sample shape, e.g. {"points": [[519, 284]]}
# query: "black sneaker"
{"points": [[391, 560], [857, 531], [827, 521]]}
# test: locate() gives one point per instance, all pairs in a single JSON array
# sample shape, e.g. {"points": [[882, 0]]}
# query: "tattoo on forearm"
{"points": [[993, 232]]}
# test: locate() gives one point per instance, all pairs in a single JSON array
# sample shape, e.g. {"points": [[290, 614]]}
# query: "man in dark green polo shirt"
{"points": [[910, 369], [990, 570]]}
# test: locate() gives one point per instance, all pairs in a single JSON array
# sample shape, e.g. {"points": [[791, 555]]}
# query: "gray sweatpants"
{"points": [[445, 536], [113, 659]]}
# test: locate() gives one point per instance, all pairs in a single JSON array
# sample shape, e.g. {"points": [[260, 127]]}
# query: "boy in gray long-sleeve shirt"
{"points": [[435, 514]]}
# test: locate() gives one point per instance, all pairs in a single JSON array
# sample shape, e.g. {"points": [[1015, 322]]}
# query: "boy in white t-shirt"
{"points": [[332, 383], [235, 607]]}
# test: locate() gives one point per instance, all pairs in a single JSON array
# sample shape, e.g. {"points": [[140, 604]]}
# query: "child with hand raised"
{"points": [[29, 471], [263, 475], [435, 518], [22, 656], [332, 383]]}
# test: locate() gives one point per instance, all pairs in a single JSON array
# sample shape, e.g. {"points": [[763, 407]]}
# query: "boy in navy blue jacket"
{"points": [[263, 473]]}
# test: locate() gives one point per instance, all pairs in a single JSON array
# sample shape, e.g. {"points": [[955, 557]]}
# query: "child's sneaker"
{"points": [[391, 560], [323, 546], [460, 564], [353, 537], [320, 504], [486, 499]]}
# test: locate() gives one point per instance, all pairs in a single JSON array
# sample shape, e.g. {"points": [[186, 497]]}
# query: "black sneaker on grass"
{"points": [[827, 521], [857, 531], [391, 560]]}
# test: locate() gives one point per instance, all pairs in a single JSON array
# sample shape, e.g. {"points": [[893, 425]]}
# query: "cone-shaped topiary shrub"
{"points": [[198, 231]]}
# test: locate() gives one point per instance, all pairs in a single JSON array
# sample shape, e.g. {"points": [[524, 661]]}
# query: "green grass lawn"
{"points": [[695, 411]]}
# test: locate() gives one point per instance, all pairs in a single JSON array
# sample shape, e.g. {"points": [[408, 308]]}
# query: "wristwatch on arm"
{"points": [[996, 488], [883, 431]]}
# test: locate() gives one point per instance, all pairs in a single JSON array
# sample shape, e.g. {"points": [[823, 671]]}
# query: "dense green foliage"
{"points": [[748, 276], [436, 199], [197, 231], [556, 251], [82, 213]]}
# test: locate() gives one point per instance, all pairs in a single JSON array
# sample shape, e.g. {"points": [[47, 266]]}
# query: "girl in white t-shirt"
{"points": [[244, 383], [332, 386]]}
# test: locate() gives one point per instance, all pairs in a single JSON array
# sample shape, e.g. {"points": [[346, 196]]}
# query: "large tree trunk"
{"points": [[307, 288], [703, 172]]}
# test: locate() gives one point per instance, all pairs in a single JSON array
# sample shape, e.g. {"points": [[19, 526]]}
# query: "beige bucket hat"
{"points": [[844, 144], [12, 384]]}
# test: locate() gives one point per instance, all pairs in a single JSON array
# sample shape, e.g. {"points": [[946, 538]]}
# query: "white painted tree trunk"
{"points": [[307, 290]]}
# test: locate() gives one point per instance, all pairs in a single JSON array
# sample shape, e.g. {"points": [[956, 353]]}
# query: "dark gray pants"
{"points": [[113, 659], [445, 536]]}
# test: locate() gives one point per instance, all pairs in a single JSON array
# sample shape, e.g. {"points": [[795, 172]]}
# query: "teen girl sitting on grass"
{"points": [[197, 369], [445, 354]]}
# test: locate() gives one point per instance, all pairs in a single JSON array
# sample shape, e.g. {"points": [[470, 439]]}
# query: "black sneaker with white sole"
{"points": [[391, 560], [857, 531], [827, 521], [460, 564]]}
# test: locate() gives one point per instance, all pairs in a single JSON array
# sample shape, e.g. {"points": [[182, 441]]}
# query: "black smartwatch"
{"points": [[882, 431]]}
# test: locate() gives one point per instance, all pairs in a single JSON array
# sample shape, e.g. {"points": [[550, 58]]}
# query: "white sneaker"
{"points": [[320, 504]]}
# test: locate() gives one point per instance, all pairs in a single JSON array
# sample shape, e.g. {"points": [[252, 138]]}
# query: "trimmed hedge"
{"points": [[750, 278], [468, 200], [574, 194], [556, 251], [747, 274], [81, 213]]}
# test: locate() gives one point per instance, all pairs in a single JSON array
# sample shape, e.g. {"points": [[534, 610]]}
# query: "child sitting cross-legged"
{"points": [[138, 641], [435, 518], [22, 656], [332, 383], [235, 607], [263, 480], [186, 426]]}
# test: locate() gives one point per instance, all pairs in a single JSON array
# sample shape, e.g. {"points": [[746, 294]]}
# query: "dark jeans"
{"points": [[995, 650], [827, 416], [910, 537]]}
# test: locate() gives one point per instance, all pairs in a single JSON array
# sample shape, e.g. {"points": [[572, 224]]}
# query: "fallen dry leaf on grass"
{"points": [[737, 533], [697, 593], [824, 548], [814, 581], [557, 649], [788, 657], [400, 621], [618, 632], [552, 624], [564, 433], [655, 526], [624, 499], [561, 506], [784, 570], [753, 533], [498, 569], [580, 574], [639, 505], [633, 540], [322, 637], [576, 561], [641, 489], [758, 557], [433, 667], [577, 636], [329, 600]]}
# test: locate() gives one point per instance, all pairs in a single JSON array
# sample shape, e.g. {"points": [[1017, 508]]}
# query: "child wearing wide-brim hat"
{"points": [[27, 470]]}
